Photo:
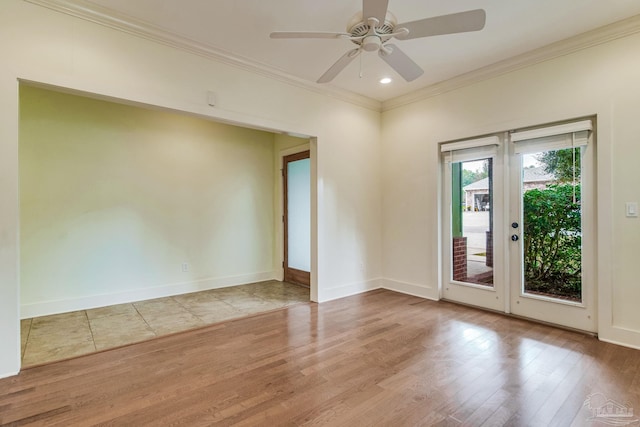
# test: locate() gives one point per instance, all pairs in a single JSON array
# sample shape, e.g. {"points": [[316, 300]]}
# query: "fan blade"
{"points": [[399, 61], [471, 20], [335, 69], [375, 9], [307, 35]]}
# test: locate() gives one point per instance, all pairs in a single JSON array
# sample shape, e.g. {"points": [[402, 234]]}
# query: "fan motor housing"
{"points": [[358, 27]]}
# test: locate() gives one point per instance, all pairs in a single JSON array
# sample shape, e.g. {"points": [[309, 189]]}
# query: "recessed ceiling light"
{"points": [[385, 80]]}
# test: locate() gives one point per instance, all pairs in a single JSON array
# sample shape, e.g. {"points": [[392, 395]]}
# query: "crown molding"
{"points": [[106, 17], [564, 47]]}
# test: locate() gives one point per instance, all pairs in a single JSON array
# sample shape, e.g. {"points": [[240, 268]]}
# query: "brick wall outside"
{"points": [[460, 259]]}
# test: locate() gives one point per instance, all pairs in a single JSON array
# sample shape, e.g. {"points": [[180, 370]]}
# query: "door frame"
{"points": [[291, 274], [506, 272]]}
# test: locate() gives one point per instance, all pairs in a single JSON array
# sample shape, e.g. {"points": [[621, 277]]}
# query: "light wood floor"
{"points": [[380, 358]]}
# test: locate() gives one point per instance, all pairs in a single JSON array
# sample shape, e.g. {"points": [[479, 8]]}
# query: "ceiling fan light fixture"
{"points": [[371, 43]]}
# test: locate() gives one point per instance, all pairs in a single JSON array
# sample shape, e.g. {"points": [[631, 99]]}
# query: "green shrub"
{"points": [[552, 240]]}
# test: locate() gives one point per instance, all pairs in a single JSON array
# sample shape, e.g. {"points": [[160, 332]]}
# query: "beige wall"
{"points": [[603, 81], [115, 198], [55, 49]]}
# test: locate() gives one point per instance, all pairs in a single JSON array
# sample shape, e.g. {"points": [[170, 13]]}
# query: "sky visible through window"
{"points": [[528, 160]]}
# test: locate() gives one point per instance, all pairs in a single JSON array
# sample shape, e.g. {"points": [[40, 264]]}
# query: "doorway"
{"points": [[519, 217], [296, 172]]}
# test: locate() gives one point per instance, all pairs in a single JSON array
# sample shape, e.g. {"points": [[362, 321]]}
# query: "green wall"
{"points": [[115, 198]]}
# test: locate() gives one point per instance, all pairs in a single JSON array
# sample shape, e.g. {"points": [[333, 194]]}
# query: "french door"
{"points": [[473, 185], [552, 225], [520, 227]]}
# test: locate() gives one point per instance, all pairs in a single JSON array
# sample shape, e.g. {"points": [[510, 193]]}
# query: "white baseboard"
{"points": [[410, 289], [620, 343], [369, 285], [619, 335], [348, 290], [8, 374], [83, 303]]}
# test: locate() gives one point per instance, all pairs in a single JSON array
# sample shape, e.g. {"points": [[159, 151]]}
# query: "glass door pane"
{"points": [[299, 214], [472, 222], [552, 224]]}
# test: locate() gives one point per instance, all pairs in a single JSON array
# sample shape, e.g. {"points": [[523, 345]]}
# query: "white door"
{"points": [[472, 213], [518, 214], [552, 226]]}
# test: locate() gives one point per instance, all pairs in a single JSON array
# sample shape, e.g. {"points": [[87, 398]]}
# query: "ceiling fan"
{"points": [[372, 29]]}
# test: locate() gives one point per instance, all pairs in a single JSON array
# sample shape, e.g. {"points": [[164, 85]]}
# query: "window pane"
{"points": [[472, 222], [299, 211], [552, 224]]}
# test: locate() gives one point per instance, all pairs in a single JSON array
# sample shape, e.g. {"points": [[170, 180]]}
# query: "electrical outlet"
{"points": [[185, 267]]}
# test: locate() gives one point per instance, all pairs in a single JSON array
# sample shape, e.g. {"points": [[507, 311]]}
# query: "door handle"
{"points": [[514, 237]]}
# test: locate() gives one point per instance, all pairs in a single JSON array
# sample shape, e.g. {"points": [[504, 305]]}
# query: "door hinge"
{"points": [[282, 264]]}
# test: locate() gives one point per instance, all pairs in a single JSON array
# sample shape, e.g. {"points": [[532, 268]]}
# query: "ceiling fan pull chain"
{"points": [[360, 66]]}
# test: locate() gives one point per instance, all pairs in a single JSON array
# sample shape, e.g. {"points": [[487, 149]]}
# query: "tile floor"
{"points": [[60, 336]]}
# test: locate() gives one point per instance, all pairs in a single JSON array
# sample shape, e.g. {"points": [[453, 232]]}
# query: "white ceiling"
{"points": [[241, 28]]}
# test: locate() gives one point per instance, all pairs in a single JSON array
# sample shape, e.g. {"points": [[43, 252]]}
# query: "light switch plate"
{"points": [[632, 209]]}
